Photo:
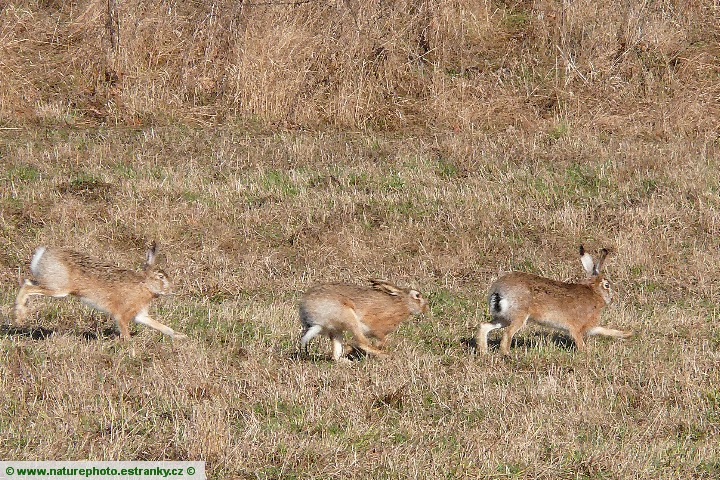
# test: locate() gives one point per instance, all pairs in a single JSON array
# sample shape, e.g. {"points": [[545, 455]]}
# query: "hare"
{"points": [[366, 312], [124, 294], [517, 297]]}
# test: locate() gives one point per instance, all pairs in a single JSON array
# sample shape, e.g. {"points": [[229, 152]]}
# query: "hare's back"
{"points": [[334, 290], [541, 294], [62, 266], [535, 288]]}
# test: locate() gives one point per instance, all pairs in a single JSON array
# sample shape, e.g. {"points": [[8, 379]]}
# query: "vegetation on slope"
{"points": [[649, 67]]}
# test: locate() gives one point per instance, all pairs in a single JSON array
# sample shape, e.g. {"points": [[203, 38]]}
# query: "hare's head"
{"points": [[594, 276], [156, 280], [414, 300]]}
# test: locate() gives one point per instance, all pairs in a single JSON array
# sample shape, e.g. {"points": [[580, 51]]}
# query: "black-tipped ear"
{"points": [[151, 254], [601, 259], [582, 250], [385, 287]]}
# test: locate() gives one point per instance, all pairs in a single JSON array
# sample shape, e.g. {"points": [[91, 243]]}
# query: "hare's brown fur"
{"points": [[368, 313], [516, 298], [124, 294]]}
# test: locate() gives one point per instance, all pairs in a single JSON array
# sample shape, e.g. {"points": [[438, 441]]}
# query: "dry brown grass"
{"points": [[269, 146], [249, 220], [621, 67]]}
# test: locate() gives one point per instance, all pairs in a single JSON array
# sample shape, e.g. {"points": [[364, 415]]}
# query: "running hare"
{"points": [[517, 297], [366, 312], [124, 294]]}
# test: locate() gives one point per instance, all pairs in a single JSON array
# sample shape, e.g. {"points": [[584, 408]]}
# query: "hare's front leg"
{"points": [[123, 322], [579, 338], [145, 319], [338, 348]]}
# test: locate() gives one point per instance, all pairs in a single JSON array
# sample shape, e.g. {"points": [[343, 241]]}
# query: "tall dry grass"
{"points": [[620, 67]]}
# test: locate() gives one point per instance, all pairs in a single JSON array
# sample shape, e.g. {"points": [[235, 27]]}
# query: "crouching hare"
{"points": [[517, 297], [366, 312], [124, 294]]}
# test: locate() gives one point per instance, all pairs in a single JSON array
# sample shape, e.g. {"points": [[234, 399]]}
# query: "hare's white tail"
{"points": [[608, 332], [497, 303], [36, 260]]}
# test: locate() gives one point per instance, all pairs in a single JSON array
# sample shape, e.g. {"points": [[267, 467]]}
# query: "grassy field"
{"points": [[268, 146], [247, 221]]}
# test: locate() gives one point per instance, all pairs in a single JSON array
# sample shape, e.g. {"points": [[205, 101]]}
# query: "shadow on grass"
{"points": [[300, 356], [354, 354], [530, 341], [42, 333], [35, 333], [108, 332]]}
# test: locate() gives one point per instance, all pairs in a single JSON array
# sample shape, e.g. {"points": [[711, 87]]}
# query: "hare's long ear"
{"points": [[598, 266], [587, 262], [386, 287], [151, 254]]}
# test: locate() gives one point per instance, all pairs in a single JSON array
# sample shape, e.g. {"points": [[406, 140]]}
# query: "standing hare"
{"points": [[366, 312], [124, 294], [517, 297]]}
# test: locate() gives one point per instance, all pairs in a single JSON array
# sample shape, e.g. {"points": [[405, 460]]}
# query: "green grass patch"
{"points": [[22, 173], [279, 182]]}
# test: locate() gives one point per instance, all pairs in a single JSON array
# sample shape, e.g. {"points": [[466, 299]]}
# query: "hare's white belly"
{"points": [[551, 322], [90, 302]]}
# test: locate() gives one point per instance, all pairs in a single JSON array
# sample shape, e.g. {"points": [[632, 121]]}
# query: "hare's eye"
{"points": [[606, 284]]}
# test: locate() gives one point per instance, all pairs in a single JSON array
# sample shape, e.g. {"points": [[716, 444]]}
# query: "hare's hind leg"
{"points": [[145, 319], [337, 347], [307, 335], [517, 322], [348, 321], [368, 348], [481, 337], [363, 342], [28, 289]]}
